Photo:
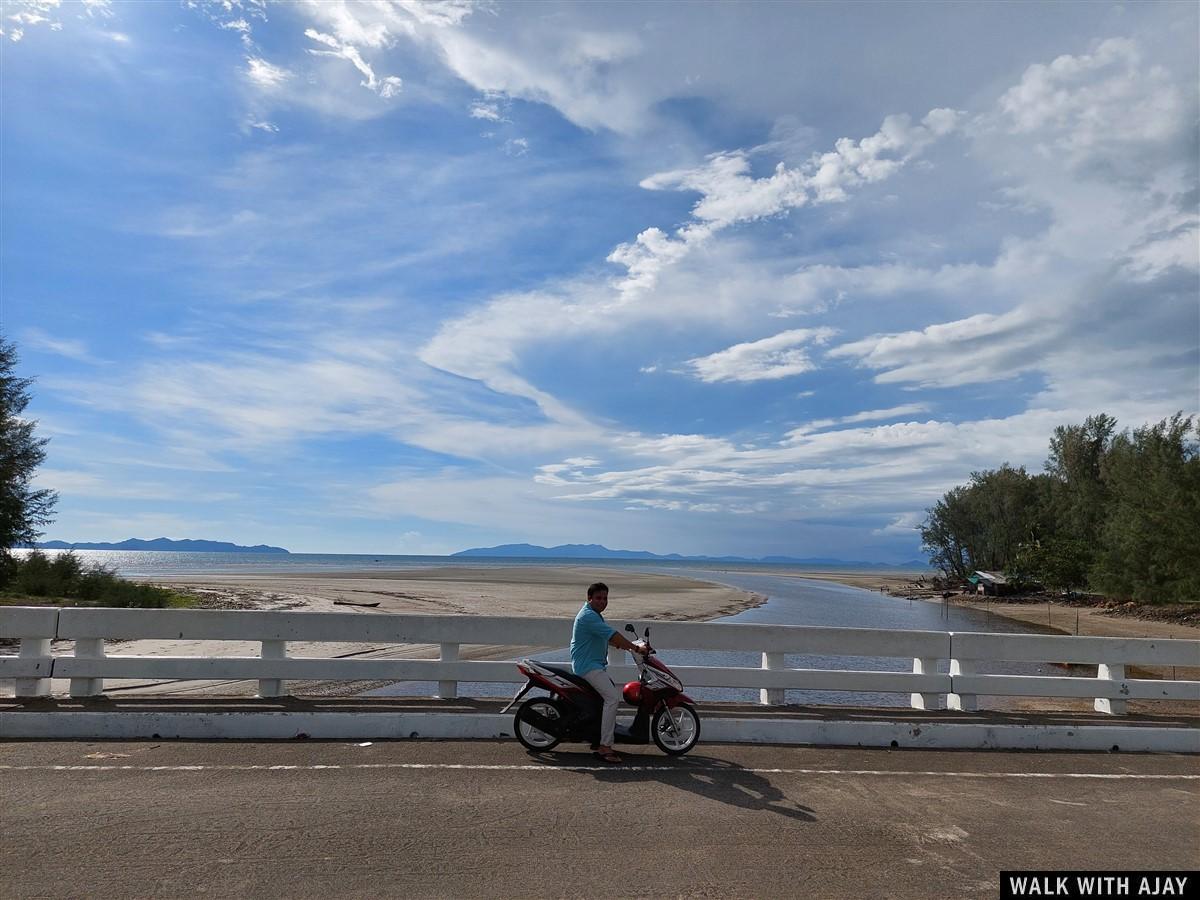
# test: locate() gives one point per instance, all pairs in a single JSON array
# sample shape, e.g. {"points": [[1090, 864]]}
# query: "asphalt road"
{"points": [[485, 819]]}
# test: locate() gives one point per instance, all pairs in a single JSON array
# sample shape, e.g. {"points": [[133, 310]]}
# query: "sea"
{"points": [[148, 563], [791, 601]]}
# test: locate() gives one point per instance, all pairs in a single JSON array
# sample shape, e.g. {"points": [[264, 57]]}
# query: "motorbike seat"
{"points": [[567, 673]]}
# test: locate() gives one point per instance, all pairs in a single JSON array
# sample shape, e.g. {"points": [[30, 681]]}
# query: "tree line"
{"points": [[1113, 512]]}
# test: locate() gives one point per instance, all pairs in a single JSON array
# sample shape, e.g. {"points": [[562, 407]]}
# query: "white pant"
{"points": [[598, 678]]}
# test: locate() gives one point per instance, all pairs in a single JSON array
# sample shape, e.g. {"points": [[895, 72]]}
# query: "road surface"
{"points": [[485, 819]]}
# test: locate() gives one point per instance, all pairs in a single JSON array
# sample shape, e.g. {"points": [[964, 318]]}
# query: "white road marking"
{"points": [[666, 769]]}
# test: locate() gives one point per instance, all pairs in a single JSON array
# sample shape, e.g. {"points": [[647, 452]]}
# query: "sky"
{"points": [[706, 278]]}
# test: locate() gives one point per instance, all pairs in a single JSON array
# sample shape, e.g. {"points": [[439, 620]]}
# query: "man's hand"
{"points": [[641, 647]]}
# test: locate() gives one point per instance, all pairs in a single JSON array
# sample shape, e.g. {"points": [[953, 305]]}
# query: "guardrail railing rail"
{"points": [[962, 655]]}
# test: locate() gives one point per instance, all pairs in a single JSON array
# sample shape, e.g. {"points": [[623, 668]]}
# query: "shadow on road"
{"points": [[716, 779]]}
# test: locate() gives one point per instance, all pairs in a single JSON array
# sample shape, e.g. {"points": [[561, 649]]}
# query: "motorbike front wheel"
{"points": [[676, 730], [532, 737]]}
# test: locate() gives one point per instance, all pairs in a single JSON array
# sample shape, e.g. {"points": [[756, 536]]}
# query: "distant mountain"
{"points": [[162, 544], [598, 551]]}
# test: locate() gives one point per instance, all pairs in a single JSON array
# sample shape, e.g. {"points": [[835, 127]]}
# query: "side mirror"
{"points": [[630, 629], [647, 633]]}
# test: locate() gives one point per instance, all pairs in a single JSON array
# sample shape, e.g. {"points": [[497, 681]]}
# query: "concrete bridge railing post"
{"points": [[33, 628], [1111, 672], [34, 648], [772, 696], [925, 665], [272, 687], [956, 700], [88, 648], [448, 690]]}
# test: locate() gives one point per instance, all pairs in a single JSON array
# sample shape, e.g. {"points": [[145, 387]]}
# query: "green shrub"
{"points": [[66, 577], [38, 576]]}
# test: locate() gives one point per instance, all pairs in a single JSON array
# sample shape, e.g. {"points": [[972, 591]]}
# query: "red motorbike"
{"points": [[665, 714]]}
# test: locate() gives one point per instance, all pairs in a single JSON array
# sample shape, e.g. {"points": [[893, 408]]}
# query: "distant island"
{"points": [[161, 544], [598, 551]]}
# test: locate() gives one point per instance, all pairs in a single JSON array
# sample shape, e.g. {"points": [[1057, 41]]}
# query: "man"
{"points": [[589, 657]]}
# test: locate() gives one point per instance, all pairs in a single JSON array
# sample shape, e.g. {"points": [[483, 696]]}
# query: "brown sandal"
{"points": [[610, 757]]}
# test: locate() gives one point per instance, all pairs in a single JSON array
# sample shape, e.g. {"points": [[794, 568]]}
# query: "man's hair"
{"points": [[596, 588]]}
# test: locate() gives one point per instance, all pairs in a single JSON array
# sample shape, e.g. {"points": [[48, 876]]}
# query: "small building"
{"points": [[989, 583]]}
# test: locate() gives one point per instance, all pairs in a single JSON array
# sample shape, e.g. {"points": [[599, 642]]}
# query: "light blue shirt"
{"points": [[589, 641]]}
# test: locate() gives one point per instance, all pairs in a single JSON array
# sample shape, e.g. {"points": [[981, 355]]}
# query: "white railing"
{"points": [[964, 654]]}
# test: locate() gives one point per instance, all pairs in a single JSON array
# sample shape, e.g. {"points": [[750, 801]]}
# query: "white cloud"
{"points": [[730, 194], [885, 469], [232, 15], [568, 69], [506, 506], [516, 147], [439, 13], [979, 348], [71, 348], [18, 15], [904, 524], [869, 415], [779, 356], [126, 486], [488, 111], [1102, 101], [300, 385], [388, 86], [264, 74], [350, 30], [98, 8]]}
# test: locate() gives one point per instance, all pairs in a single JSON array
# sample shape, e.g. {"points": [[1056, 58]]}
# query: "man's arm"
{"points": [[621, 642]]}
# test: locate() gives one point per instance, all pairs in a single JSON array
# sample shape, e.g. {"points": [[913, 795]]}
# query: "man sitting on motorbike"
{"points": [[589, 658]]}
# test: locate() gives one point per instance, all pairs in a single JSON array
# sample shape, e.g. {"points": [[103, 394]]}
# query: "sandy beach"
{"points": [[476, 590]]}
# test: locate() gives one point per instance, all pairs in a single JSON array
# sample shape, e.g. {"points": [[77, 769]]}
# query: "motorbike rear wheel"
{"points": [[677, 730], [532, 737]]}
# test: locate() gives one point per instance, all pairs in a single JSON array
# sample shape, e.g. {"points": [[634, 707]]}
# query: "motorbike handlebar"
{"points": [[646, 638]]}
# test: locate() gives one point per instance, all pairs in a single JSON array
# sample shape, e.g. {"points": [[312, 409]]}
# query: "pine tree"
{"points": [[23, 508]]}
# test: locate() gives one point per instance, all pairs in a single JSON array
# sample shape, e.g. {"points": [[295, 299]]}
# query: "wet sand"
{"points": [[894, 581], [1059, 617], [1091, 621]]}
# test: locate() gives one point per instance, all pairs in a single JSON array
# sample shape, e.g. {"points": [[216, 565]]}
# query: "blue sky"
{"points": [[758, 278]]}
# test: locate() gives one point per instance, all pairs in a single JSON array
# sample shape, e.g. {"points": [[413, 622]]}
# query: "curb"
{"points": [[266, 726]]}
